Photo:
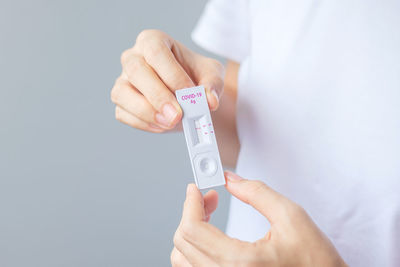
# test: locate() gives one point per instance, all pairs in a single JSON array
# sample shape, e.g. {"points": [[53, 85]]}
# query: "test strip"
{"points": [[200, 137]]}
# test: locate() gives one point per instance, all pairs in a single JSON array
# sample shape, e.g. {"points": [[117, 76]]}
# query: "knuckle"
{"points": [[153, 49], [134, 65], [176, 261], [187, 230], [143, 35], [124, 55], [114, 95], [292, 211], [295, 210], [177, 238], [118, 115], [174, 258], [147, 34], [255, 190], [256, 186]]}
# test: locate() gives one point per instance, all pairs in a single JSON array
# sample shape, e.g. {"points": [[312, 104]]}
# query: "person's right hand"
{"points": [[152, 70], [293, 239]]}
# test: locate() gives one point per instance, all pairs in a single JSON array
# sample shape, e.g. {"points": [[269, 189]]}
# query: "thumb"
{"points": [[193, 208], [210, 203], [268, 202]]}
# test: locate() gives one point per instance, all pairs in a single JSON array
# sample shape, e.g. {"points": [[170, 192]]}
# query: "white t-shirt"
{"points": [[318, 114]]}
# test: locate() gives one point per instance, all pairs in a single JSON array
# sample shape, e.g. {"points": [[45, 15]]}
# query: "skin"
{"points": [[152, 70], [293, 239]]}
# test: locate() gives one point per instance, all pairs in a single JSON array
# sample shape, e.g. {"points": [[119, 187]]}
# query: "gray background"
{"points": [[77, 188]]}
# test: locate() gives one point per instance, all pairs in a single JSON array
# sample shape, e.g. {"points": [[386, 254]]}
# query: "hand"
{"points": [[293, 239], [152, 70]]}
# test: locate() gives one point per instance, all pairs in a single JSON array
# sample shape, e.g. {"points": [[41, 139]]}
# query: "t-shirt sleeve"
{"points": [[223, 29]]}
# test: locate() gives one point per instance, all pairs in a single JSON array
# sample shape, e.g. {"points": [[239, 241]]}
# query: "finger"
{"points": [[157, 53], [257, 194], [210, 202], [131, 100], [203, 236], [212, 99], [133, 121], [178, 260], [143, 77], [192, 255], [193, 209], [214, 89], [203, 71], [200, 240], [209, 72]]}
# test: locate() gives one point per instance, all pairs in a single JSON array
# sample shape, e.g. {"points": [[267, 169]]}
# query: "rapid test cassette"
{"points": [[200, 137]]}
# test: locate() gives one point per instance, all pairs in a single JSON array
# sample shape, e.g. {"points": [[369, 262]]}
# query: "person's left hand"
{"points": [[292, 240]]}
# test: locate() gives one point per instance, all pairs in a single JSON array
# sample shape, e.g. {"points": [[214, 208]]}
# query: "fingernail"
{"points": [[162, 120], [230, 176], [211, 93], [215, 94], [168, 115], [189, 189]]}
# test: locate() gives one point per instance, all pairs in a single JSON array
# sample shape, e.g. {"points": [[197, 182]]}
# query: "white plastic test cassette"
{"points": [[200, 137]]}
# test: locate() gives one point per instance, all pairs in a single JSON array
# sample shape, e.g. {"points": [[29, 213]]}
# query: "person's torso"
{"points": [[319, 120]]}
